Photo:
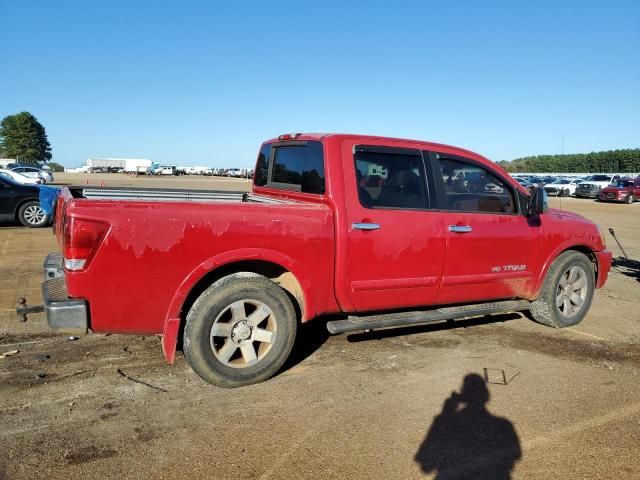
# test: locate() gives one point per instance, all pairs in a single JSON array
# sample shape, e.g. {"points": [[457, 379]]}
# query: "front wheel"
{"points": [[240, 331], [630, 199], [567, 291], [32, 215]]}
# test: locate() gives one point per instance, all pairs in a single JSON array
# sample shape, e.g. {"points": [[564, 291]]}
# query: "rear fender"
{"points": [[173, 318]]}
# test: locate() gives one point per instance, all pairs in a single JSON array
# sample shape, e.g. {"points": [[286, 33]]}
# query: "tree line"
{"points": [[24, 138], [614, 161]]}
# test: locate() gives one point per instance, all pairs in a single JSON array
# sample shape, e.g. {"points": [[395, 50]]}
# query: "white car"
{"points": [[562, 187], [20, 178], [34, 172]]}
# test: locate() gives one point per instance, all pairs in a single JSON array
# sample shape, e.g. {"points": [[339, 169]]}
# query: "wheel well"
{"points": [[589, 254], [20, 204], [278, 274]]}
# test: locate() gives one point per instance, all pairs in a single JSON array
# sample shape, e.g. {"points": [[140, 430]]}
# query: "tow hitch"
{"points": [[23, 309]]}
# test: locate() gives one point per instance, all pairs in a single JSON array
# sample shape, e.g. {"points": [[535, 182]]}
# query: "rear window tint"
{"points": [[262, 166], [298, 167]]}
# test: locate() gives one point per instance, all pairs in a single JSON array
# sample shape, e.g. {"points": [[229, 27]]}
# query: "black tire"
{"points": [[630, 199], [545, 308], [208, 353], [31, 215]]}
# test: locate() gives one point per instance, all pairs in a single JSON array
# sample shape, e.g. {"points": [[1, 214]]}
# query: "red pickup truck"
{"points": [[378, 232]]}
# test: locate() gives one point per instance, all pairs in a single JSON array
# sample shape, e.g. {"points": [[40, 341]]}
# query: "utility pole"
{"points": [[562, 144]]}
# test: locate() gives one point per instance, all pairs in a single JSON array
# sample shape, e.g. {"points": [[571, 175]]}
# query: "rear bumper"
{"points": [[69, 315], [604, 266], [53, 266]]}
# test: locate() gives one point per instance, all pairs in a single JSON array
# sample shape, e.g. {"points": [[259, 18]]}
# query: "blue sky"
{"points": [[204, 82]]}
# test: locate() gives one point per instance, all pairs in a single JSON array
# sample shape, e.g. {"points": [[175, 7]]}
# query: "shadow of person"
{"points": [[467, 441]]}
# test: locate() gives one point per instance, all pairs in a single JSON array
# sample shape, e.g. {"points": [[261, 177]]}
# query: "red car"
{"points": [[625, 190], [356, 227]]}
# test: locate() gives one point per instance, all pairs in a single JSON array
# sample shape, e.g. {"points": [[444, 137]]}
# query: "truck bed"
{"points": [[170, 195]]}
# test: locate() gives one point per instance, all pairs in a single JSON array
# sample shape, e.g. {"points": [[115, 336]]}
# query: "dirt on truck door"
{"points": [[395, 242]]}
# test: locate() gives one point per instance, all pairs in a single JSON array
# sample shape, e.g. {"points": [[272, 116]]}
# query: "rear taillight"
{"points": [[80, 242]]}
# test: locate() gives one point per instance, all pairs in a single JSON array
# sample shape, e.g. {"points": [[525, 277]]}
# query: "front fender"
{"points": [[556, 252]]}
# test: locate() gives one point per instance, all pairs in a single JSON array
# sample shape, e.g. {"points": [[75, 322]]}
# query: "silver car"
{"points": [[34, 172]]}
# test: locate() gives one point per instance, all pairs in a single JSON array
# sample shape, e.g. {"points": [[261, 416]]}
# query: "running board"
{"points": [[390, 320]]}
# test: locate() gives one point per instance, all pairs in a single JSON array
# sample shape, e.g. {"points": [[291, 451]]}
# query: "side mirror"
{"points": [[538, 202]]}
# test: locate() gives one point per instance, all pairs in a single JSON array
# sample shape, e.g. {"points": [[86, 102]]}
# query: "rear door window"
{"points": [[391, 179]]}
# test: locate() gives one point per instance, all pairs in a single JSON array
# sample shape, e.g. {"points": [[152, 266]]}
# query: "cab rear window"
{"points": [[297, 166]]}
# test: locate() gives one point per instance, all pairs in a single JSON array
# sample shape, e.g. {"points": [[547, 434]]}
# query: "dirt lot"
{"points": [[351, 406]]}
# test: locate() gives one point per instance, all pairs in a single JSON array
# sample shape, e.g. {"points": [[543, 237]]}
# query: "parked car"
{"points": [[592, 185], [21, 203], [34, 172], [625, 190], [562, 187], [233, 274], [536, 181], [20, 178], [525, 183]]}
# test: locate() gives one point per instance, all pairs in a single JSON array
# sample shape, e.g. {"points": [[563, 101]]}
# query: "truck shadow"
{"points": [[627, 267], [432, 327], [313, 335], [466, 440]]}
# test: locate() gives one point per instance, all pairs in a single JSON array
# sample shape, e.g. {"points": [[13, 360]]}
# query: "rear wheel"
{"points": [[567, 291], [240, 330], [630, 199], [32, 215]]}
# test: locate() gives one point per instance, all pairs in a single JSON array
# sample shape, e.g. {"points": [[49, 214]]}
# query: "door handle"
{"points": [[365, 226], [460, 228]]}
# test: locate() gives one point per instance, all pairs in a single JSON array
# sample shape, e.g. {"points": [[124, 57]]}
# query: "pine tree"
{"points": [[24, 138]]}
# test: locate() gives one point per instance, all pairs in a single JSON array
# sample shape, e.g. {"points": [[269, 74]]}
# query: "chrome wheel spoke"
{"points": [[259, 315], [237, 311], [34, 215], [227, 351], [248, 352], [221, 330], [262, 335], [576, 299], [572, 291], [580, 283], [233, 330]]}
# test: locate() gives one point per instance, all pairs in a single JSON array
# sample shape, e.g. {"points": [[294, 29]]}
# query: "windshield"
{"points": [[563, 182], [624, 183], [599, 178]]}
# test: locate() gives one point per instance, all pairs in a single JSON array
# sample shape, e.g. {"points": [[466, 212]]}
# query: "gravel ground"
{"points": [[376, 405]]}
